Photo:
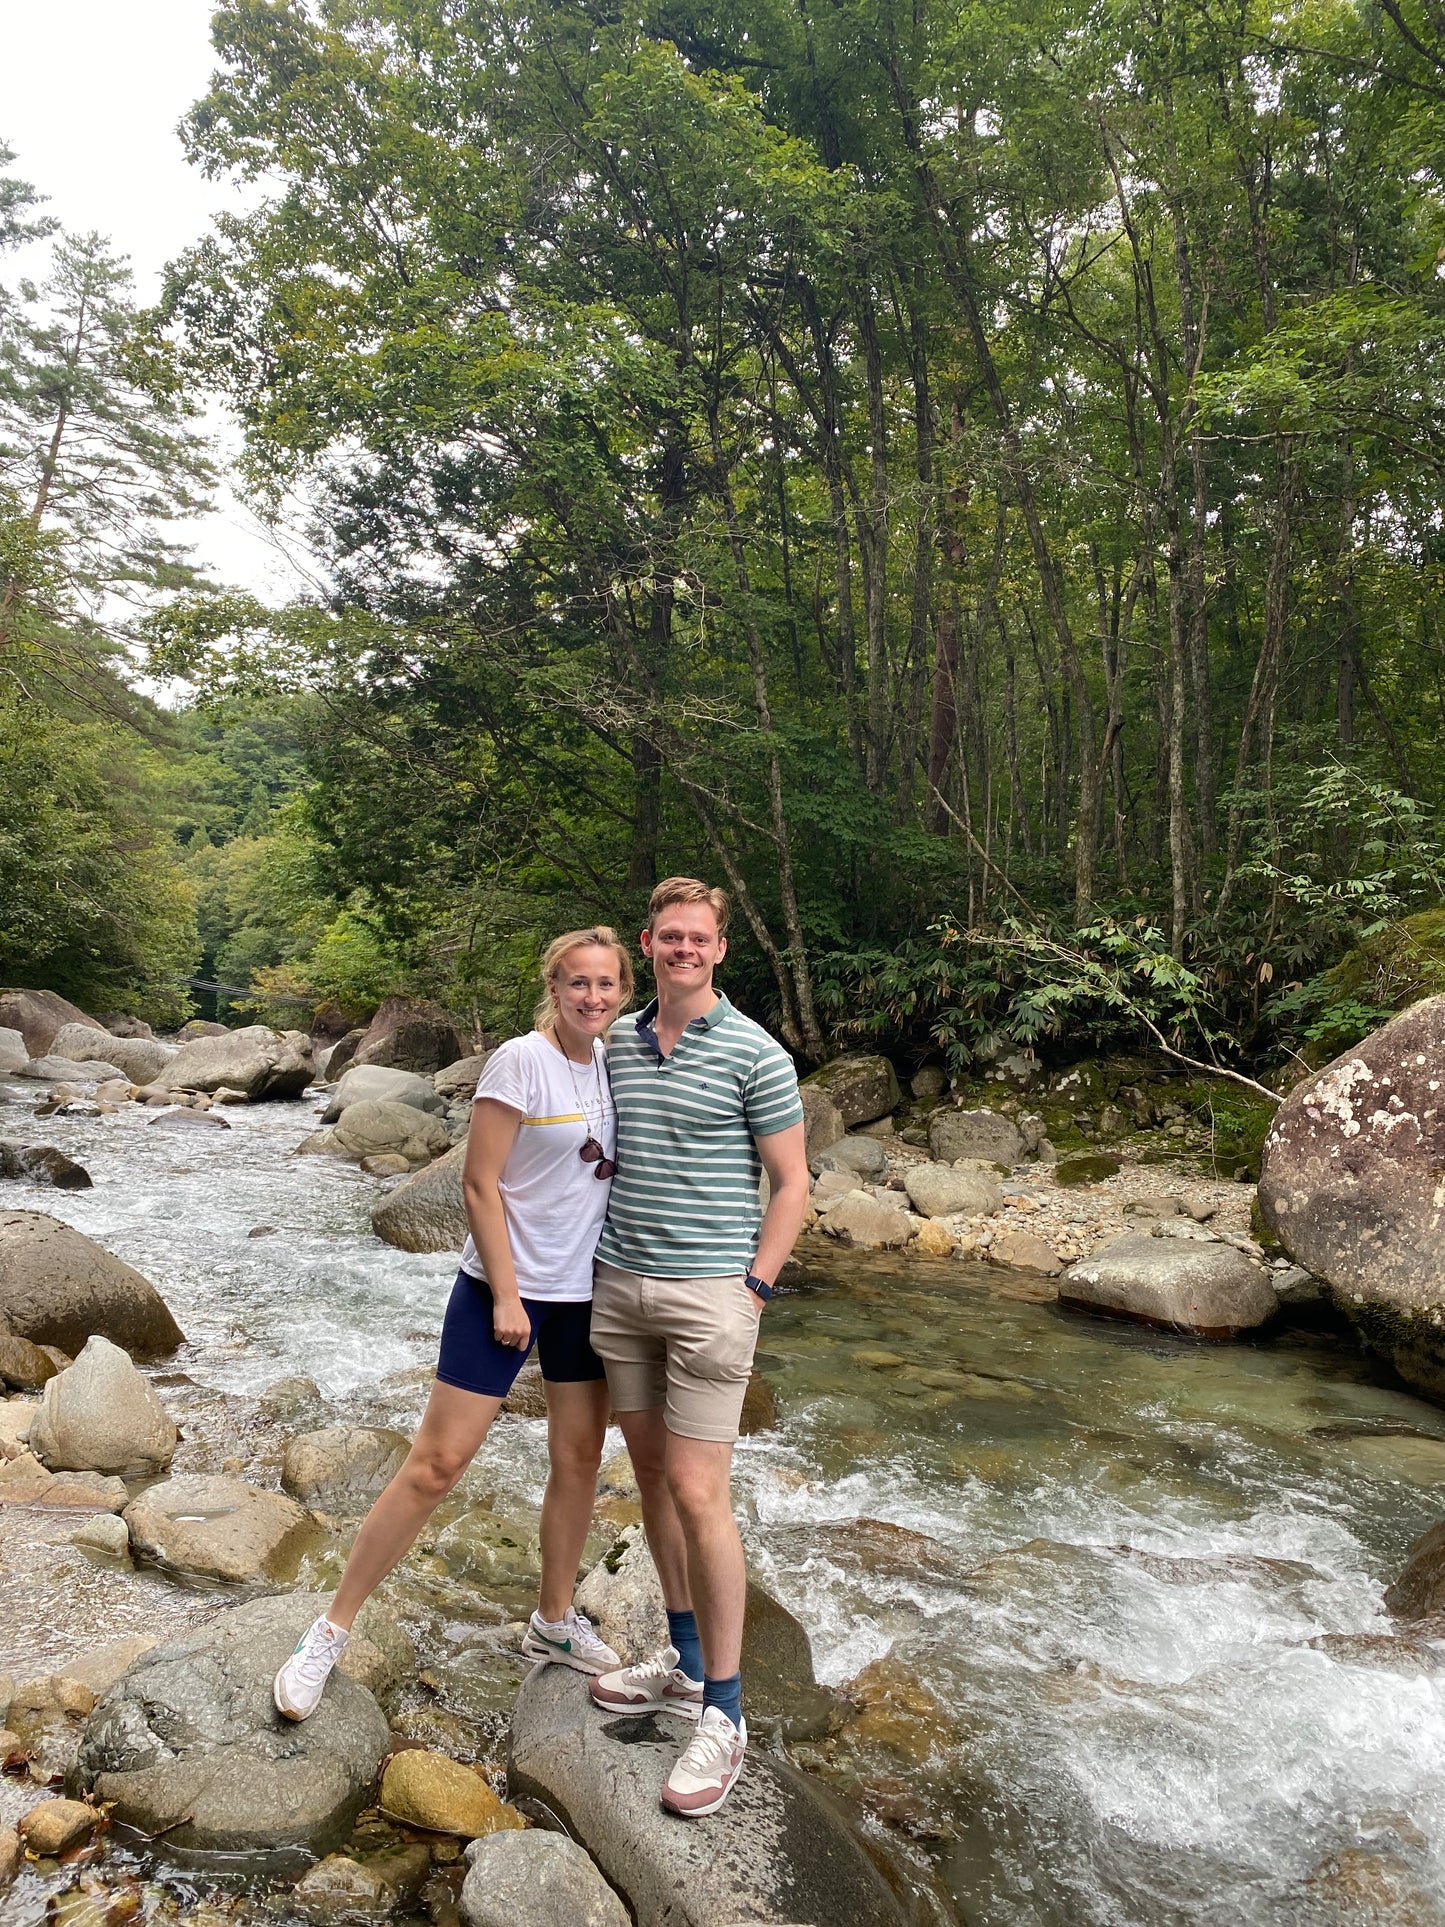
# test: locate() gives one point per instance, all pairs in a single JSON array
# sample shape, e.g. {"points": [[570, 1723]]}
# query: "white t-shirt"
{"points": [[554, 1203]]}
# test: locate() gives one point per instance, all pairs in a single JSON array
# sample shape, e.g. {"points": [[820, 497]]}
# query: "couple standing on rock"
{"points": [[612, 1195]]}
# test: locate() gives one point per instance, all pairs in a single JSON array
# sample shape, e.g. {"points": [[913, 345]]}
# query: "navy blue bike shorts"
{"points": [[473, 1361]]}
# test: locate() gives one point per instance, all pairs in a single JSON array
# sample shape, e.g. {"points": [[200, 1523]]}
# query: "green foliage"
{"points": [[95, 903]]}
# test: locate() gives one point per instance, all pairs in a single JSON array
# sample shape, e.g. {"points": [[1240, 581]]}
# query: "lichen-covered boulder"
{"points": [[862, 1087], [988, 1135], [341, 1468], [1352, 1183]]}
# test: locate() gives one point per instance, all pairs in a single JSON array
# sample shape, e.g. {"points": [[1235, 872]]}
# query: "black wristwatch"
{"points": [[764, 1291]]}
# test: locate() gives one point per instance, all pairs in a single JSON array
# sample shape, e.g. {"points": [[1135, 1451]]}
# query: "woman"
{"points": [[536, 1181]]}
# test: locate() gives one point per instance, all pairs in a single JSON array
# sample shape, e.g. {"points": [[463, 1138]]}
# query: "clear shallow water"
{"points": [[1123, 1545]]}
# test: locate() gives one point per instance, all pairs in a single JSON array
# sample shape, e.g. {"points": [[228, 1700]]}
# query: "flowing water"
{"points": [[1118, 1618]]}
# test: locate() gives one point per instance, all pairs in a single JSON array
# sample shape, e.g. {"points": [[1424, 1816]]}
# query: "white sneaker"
{"points": [[569, 1641], [298, 1687], [657, 1685], [708, 1767]]}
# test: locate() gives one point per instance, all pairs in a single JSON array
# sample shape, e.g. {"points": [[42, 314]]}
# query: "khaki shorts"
{"points": [[685, 1344]]}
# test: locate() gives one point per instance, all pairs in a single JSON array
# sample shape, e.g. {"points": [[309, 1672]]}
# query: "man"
{"points": [[706, 1101]]}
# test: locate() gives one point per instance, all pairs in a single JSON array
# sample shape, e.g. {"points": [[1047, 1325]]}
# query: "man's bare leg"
{"points": [[647, 1446], [699, 1479]]}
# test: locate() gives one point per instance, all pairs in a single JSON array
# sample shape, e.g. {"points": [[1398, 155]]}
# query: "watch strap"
{"points": [[764, 1291]]}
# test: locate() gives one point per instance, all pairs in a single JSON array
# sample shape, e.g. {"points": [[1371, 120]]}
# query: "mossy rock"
{"points": [[1396, 968], [1092, 1168]]}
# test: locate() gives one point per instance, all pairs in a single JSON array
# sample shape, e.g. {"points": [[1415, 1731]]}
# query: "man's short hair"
{"points": [[689, 890]]}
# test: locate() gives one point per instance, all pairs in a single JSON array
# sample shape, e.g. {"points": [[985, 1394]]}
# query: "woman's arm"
{"points": [[489, 1142]]}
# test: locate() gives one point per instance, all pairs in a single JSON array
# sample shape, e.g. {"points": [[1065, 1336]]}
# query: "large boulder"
{"points": [[426, 1212], [1419, 1592], [100, 1415], [41, 1164], [822, 1120], [13, 1054], [457, 1084], [1350, 1184], [38, 1015], [263, 1063], [778, 1851], [188, 1748], [536, 1879], [622, 1595], [940, 1191], [858, 1219], [341, 1468], [409, 1034], [59, 1288], [342, 1053], [141, 1059], [861, 1087], [218, 1528], [71, 1070], [373, 1130], [987, 1135], [1211, 1290], [375, 1084], [858, 1156]]}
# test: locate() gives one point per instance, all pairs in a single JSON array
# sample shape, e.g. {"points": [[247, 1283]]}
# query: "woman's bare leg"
{"points": [[576, 1426], [451, 1433]]}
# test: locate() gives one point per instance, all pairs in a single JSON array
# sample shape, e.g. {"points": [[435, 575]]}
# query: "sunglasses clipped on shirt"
{"points": [[591, 1152]]}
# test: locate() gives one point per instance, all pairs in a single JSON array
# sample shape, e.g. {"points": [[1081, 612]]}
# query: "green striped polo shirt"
{"points": [[684, 1201]]}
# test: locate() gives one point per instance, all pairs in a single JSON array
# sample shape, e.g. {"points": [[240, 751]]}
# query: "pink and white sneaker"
{"points": [[657, 1685], [708, 1768]]}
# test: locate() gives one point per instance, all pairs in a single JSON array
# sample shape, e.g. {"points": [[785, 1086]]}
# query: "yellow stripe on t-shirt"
{"points": [[572, 1117]]}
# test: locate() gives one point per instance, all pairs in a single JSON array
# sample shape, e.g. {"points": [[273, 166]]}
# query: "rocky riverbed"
{"points": [[1084, 1619]]}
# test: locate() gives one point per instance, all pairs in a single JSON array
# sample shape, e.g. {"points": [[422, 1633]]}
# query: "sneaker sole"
{"points": [[700, 1813], [682, 1709], [285, 1711], [551, 1657]]}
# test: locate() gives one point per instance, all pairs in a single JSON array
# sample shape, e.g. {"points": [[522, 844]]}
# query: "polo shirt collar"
{"points": [[710, 1019]]}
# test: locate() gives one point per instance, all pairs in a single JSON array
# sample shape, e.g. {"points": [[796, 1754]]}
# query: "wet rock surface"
{"points": [[778, 1851], [188, 1745], [41, 1164], [341, 1468], [57, 1287], [219, 1528]]}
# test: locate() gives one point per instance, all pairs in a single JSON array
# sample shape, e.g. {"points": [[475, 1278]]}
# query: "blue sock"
{"points": [[682, 1631], [726, 1695]]}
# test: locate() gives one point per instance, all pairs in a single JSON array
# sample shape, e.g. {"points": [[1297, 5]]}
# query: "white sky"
{"points": [[91, 92]]}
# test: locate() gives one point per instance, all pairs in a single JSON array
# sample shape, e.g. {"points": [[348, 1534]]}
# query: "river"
{"points": [[1154, 1679]]}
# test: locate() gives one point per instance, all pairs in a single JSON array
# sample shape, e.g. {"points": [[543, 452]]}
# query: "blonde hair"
{"points": [[689, 890], [544, 1017]]}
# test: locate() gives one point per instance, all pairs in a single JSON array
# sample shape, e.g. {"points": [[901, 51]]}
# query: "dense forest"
{"points": [[969, 477]]}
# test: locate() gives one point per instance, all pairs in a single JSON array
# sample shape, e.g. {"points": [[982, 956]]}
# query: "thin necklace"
{"points": [[576, 1091]]}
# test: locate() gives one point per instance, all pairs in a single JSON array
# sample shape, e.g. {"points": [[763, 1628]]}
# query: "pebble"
{"points": [[55, 1826]]}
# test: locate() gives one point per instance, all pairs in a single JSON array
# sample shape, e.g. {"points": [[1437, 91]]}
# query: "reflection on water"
{"points": [[1120, 1616]]}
